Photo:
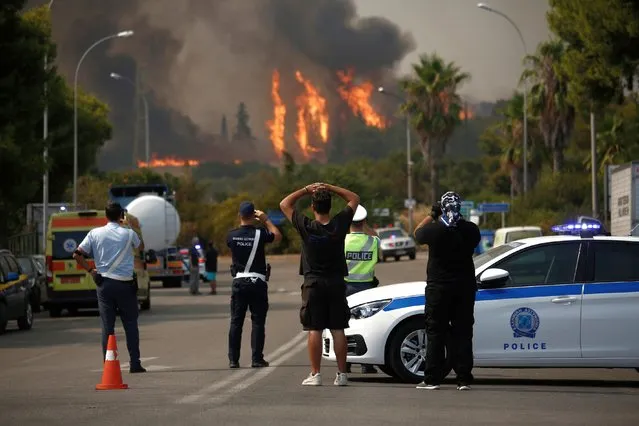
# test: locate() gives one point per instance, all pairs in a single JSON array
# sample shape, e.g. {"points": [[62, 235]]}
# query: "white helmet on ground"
{"points": [[360, 214]]}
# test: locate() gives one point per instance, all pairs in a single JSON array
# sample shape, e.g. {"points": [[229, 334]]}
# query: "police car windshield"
{"points": [[391, 233], [65, 242], [493, 253]]}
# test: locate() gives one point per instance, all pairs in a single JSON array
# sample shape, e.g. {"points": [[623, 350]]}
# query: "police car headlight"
{"points": [[367, 310]]}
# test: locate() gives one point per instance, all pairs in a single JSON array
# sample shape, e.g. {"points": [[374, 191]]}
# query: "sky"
{"points": [[484, 44]]}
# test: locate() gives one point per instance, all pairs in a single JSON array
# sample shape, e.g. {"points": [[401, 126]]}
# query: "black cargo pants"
{"points": [[450, 316], [248, 293]]}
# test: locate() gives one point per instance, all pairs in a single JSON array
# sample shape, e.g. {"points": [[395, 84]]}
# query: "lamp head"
{"points": [[484, 6], [128, 33]]}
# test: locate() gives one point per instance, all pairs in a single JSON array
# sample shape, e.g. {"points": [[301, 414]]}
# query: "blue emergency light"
{"points": [[578, 229]]}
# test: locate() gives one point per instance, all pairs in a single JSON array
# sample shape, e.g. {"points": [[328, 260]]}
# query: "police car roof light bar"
{"points": [[576, 228]]}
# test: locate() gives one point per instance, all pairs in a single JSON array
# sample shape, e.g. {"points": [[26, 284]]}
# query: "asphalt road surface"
{"points": [[48, 374]]}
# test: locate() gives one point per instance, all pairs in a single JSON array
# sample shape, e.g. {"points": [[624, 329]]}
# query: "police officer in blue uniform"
{"points": [[250, 275]]}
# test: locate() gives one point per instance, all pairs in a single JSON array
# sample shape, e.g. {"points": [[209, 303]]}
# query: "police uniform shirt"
{"points": [[240, 241]]}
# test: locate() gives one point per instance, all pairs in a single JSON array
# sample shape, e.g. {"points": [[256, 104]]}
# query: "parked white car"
{"points": [[557, 301]]}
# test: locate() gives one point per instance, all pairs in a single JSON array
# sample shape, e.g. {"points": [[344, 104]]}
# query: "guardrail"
{"points": [[24, 244]]}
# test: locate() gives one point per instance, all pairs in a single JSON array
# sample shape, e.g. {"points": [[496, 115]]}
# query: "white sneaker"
{"points": [[313, 380], [423, 385], [463, 387], [341, 379]]}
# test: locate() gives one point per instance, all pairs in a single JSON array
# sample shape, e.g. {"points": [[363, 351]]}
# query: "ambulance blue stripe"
{"points": [[528, 292]]}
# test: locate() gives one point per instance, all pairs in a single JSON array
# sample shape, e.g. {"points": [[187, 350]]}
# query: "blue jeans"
{"points": [[120, 295]]}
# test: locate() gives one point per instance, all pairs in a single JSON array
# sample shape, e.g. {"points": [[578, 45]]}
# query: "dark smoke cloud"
{"points": [[200, 58]]}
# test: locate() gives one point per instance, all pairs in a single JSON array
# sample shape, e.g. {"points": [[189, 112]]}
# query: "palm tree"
{"points": [[508, 132], [549, 98], [434, 106]]}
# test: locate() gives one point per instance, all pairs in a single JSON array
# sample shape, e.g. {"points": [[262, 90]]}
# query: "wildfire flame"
{"points": [[277, 125], [167, 162], [310, 105], [358, 99]]}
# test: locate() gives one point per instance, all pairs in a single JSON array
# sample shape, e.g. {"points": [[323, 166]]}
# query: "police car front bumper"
{"points": [[365, 346]]}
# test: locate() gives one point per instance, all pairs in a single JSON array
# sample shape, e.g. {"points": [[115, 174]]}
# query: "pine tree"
{"points": [[224, 129], [242, 129]]}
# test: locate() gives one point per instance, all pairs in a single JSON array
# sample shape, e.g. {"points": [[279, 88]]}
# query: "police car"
{"points": [[555, 301]]}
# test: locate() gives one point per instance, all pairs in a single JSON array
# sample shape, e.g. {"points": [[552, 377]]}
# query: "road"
{"points": [[48, 374]]}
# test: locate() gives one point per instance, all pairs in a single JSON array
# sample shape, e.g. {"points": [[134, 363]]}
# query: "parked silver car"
{"points": [[395, 242]]}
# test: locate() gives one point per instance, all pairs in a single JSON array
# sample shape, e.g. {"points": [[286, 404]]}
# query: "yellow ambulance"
{"points": [[68, 285]]}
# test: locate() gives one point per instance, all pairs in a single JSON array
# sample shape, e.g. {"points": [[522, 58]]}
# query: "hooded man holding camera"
{"points": [[450, 291]]}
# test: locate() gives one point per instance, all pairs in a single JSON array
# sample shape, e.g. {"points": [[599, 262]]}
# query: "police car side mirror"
{"points": [[493, 278]]}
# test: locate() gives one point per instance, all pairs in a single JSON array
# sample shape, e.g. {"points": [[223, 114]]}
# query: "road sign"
{"points": [[466, 207], [276, 217], [382, 212], [494, 207], [409, 203]]}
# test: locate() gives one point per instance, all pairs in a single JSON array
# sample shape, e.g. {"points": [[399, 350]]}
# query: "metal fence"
{"points": [[24, 244]]}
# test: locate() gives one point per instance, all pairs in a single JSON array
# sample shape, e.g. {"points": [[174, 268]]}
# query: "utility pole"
{"points": [[140, 126]]}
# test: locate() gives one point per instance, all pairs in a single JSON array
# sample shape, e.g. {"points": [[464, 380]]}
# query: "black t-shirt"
{"points": [[195, 257], [323, 245], [240, 241], [211, 260], [450, 251]]}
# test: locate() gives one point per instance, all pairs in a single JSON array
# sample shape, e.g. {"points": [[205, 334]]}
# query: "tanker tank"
{"points": [[159, 221]]}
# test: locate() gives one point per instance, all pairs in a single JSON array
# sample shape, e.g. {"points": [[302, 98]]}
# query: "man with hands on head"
{"points": [[323, 265]]}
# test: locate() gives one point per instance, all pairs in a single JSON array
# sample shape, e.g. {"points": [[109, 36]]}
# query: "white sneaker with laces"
{"points": [[424, 385], [313, 380], [341, 379]]}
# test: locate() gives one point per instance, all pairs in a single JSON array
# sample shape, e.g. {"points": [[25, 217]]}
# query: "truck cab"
{"points": [[514, 233]]}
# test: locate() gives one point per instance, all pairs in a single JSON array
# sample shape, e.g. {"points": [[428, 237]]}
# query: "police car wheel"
{"points": [[25, 322], [386, 369], [3, 317], [405, 356]]}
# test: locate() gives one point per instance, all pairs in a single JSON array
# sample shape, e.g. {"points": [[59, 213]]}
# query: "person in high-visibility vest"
{"points": [[361, 247]]}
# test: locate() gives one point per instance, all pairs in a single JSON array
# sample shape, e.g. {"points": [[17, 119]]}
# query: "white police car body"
{"points": [[557, 301]]}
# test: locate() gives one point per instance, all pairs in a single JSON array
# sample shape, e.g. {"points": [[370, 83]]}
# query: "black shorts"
{"points": [[324, 304]]}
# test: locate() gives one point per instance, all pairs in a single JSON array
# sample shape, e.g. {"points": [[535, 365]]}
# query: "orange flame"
{"points": [[167, 162], [237, 162], [276, 126], [466, 114], [358, 99], [310, 105]]}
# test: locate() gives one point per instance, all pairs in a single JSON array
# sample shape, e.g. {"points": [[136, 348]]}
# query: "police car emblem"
{"points": [[69, 245], [524, 322]]}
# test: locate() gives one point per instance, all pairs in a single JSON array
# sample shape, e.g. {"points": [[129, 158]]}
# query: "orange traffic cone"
{"points": [[112, 375]]}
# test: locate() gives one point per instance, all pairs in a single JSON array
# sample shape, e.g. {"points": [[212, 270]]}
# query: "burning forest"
{"points": [[312, 116]]}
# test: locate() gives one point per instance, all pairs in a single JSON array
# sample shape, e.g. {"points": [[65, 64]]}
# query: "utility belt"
{"points": [[241, 274]]}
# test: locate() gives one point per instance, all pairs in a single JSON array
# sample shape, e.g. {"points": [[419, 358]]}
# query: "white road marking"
{"points": [[261, 374], [37, 357], [237, 376]]}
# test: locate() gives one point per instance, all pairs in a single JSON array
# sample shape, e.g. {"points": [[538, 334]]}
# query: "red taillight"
{"points": [[200, 260], [49, 269]]}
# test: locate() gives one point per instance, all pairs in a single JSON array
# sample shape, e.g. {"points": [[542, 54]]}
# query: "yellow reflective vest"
{"points": [[361, 252]]}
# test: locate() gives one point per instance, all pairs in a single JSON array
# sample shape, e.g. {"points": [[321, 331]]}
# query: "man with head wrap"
{"points": [[450, 290]]}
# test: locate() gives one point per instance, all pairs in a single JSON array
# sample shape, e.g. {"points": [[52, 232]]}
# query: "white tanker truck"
{"points": [[152, 205]]}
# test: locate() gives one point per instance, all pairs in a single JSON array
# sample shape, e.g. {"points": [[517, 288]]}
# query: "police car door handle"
{"points": [[566, 300]]}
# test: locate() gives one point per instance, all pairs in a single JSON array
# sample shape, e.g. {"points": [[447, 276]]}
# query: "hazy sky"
{"points": [[482, 43]]}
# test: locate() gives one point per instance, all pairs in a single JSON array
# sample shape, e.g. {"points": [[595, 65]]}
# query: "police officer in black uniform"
{"points": [[250, 274]]}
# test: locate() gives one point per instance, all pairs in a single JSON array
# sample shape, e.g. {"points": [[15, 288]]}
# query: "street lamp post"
{"points": [[75, 110], [409, 163], [147, 145], [487, 8], [45, 154]]}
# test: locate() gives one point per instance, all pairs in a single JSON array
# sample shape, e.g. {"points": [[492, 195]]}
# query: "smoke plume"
{"points": [[200, 58]]}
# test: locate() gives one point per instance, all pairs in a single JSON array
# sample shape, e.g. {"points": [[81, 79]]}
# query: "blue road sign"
{"points": [[466, 207], [276, 217], [494, 207]]}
